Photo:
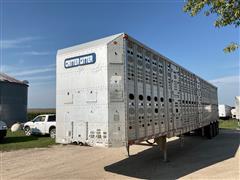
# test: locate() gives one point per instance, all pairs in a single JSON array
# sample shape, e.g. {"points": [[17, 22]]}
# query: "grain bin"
{"points": [[116, 91], [13, 100]]}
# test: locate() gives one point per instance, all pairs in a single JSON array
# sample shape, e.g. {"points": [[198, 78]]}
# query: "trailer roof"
{"points": [[89, 44]]}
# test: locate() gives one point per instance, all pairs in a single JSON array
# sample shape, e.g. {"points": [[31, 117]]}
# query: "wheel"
{"points": [[52, 133], [217, 123], [210, 131], [206, 130], [3, 133], [27, 131], [187, 134], [198, 131], [214, 129]]}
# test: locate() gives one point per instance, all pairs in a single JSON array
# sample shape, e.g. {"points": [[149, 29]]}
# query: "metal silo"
{"points": [[13, 100]]}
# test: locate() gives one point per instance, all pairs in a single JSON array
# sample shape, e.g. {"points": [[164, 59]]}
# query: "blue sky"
{"points": [[33, 31]]}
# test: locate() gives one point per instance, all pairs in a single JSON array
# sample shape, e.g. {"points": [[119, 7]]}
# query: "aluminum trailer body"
{"points": [[224, 111], [116, 92]]}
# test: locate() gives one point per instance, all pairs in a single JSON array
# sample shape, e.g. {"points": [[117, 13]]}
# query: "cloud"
{"points": [[226, 80], [228, 88], [34, 71], [15, 43], [47, 77], [29, 72], [36, 53]]}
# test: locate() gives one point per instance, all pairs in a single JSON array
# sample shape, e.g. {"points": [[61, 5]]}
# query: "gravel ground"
{"points": [[199, 158]]}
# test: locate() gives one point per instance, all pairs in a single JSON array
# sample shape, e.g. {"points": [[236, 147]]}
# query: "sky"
{"points": [[33, 30]]}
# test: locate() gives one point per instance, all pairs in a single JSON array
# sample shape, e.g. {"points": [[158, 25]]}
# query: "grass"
{"points": [[18, 140], [228, 124]]}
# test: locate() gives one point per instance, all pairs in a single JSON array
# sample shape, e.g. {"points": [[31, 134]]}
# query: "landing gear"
{"points": [[128, 150], [181, 137], [162, 142]]}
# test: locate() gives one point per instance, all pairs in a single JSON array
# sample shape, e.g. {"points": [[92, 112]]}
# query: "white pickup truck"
{"points": [[42, 124], [3, 129]]}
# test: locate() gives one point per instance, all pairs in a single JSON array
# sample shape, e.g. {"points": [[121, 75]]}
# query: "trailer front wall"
{"points": [[164, 98], [82, 98]]}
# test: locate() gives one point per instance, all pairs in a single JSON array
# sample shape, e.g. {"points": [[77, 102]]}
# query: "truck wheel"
{"points": [[187, 134], [210, 131], [217, 124], [214, 129], [3, 133], [27, 131], [198, 131], [52, 133]]}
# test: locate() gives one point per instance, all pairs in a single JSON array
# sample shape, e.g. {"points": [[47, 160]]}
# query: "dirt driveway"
{"points": [[198, 159]]}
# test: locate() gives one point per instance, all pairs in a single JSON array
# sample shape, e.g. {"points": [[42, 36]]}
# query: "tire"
{"points": [[208, 131], [27, 131], [187, 134], [217, 123], [52, 133], [3, 133], [198, 131], [214, 129]]}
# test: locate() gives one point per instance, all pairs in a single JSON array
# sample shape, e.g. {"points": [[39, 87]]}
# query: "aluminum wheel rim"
{"points": [[27, 132], [53, 134]]}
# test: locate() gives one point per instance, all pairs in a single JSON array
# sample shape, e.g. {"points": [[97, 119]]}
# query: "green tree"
{"points": [[227, 11]]}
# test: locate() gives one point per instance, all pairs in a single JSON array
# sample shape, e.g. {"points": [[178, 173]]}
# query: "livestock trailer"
{"points": [[224, 111], [117, 91]]}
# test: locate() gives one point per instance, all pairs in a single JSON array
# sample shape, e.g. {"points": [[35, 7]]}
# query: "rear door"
{"points": [[51, 121], [39, 125]]}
